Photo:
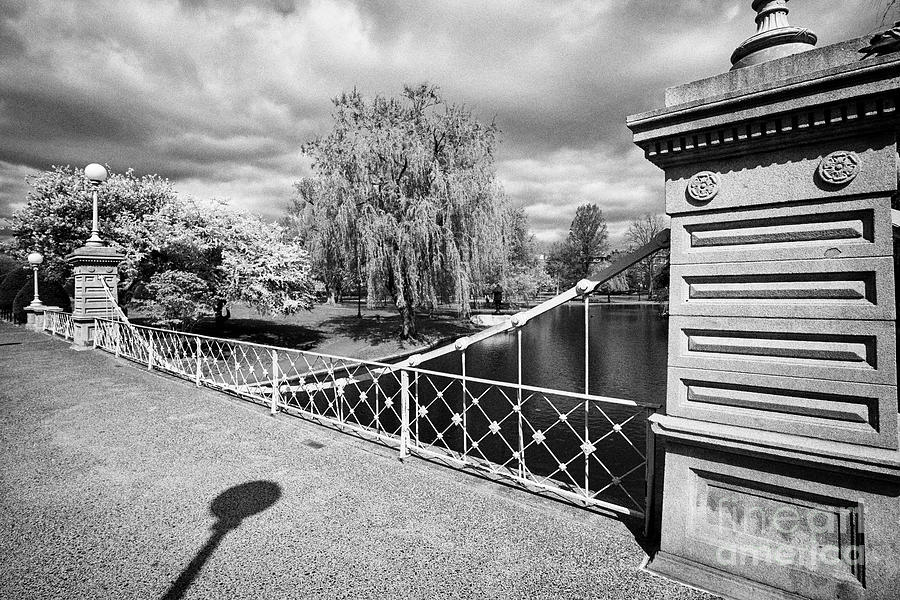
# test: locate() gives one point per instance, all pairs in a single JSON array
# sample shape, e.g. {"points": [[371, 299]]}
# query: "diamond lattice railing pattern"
{"points": [[585, 449]]}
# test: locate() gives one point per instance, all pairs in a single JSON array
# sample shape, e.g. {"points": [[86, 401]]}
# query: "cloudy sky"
{"points": [[219, 95]]}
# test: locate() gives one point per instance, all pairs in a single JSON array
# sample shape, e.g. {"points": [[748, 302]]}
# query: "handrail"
{"points": [[115, 305], [389, 368], [582, 288]]}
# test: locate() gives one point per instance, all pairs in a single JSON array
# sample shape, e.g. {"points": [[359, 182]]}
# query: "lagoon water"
{"points": [[627, 359], [627, 352]]}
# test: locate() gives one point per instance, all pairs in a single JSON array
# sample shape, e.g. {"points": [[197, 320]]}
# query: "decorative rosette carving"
{"points": [[703, 186], [839, 168]]}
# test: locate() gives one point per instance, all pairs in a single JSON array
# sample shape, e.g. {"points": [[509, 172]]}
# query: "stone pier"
{"points": [[782, 470], [94, 267]]}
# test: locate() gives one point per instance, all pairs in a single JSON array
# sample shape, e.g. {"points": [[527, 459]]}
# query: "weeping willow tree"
{"points": [[327, 231], [405, 190]]}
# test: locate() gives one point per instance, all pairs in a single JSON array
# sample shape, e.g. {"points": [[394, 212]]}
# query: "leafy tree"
{"points": [[587, 238], [586, 244], [177, 299], [57, 217], [617, 284], [524, 276], [640, 232], [526, 282], [410, 185]]}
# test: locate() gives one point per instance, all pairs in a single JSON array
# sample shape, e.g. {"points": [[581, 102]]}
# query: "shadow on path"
{"points": [[230, 507], [263, 331], [380, 330]]}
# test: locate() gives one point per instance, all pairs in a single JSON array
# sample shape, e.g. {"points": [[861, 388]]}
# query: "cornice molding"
{"points": [[853, 114]]}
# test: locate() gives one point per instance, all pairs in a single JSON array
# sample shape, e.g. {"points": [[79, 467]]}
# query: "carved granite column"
{"points": [[782, 470]]}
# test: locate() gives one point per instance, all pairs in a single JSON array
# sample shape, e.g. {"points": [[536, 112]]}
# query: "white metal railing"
{"points": [[59, 323], [583, 448]]}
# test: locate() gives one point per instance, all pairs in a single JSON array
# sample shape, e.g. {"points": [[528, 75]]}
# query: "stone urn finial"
{"points": [[774, 36]]}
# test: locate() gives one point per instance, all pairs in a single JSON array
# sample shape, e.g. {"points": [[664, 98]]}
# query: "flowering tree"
{"points": [[237, 257], [184, 259], [57, 216]]}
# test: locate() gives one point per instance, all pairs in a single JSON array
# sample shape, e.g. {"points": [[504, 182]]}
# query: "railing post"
{"points": [[118, 326], [338, 395], [465, 393], [519, 404], [587, 390], [404, 414], [149, 350], [414, 411], [96, 333], [650, 475], [198, 368], [275, 390]]}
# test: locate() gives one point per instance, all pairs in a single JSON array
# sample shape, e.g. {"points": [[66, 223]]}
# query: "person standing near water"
{"points": [[498, 298]]}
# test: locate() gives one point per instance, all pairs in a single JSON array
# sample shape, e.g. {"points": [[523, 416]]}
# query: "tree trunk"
{"points": [[407, 323]]}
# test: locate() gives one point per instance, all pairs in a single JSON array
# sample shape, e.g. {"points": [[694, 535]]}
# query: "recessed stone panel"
{"points": [[858, 228], [795, 528], [746, 520], [847, 412], [858, 351], [837, 289]]}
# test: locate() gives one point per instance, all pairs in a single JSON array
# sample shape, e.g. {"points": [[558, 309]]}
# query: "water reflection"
{"points": [[627, 353], [627, 359]]}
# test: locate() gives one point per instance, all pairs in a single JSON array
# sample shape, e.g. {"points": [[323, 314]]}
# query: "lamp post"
{"points": [[96, 174], [35, 259]]}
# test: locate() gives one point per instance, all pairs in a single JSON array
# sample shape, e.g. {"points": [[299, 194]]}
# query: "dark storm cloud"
{"points": [[219, 95]]}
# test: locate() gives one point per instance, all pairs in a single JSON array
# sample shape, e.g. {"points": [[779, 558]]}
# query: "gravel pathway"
{"points": [[120, 483]]}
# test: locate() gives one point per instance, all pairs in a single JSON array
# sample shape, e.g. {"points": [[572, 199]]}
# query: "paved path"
{"points": [[114, 480]]}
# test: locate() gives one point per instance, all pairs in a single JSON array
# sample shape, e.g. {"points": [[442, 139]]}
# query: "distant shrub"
{"points": [[51, 293], [11, 285], [7, 264]]}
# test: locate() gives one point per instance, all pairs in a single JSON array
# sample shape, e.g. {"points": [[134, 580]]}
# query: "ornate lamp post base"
{"points": [[774, 37]]}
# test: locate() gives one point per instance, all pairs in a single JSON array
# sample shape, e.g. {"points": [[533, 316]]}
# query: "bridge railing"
{"points": [[585, 449], [59, 323]]}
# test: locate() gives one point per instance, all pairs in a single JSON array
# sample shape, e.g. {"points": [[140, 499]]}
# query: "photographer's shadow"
{"points": [[230, 507]]}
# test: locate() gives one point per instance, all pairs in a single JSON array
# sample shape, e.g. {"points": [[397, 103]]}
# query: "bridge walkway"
{"points": [[110, 474]]}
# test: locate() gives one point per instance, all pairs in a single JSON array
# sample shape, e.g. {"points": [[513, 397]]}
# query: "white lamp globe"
{"points": [[96, 173], [35, 258]]}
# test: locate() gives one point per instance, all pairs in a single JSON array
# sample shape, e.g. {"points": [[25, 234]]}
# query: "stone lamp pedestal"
{"points": [[35, 316], [93, 267], [780, 432]]}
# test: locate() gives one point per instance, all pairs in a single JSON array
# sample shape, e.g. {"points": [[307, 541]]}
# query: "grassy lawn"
{"points": [[335, 329]]}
